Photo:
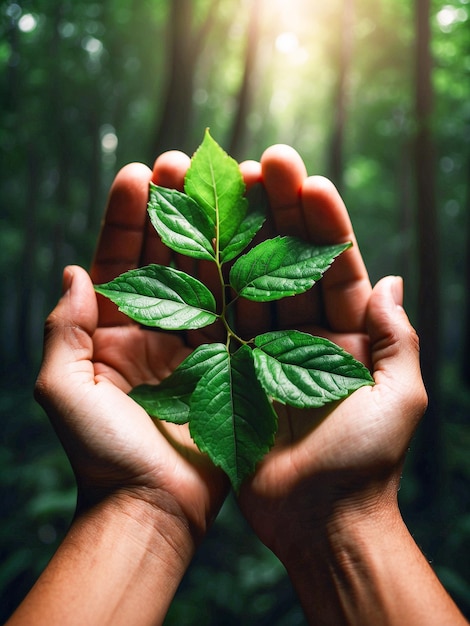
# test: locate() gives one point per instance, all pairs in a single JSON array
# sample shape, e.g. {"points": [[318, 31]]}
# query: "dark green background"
{"points": [[86, 87]]}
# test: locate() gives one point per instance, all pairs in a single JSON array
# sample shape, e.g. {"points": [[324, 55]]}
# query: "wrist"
{"points": [[158, 523], [120, 563], [322, 529], [335, 561], [363, 567], [333, 568]]}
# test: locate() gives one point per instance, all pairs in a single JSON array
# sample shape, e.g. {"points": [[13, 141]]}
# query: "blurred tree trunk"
{"points": [[429, 447], [185, 44], [340, 104], [93, 215], [27, 265], [12, 335], [466, 330], [405, 211], [12, 68], [239, 128], [62, 153]]}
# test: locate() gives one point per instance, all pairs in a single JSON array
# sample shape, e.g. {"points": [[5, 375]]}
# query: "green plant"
{"points": [[226, 391]]}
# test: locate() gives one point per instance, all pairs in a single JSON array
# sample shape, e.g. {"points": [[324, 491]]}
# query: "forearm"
{"points": [[370, 571], [118, 564]]}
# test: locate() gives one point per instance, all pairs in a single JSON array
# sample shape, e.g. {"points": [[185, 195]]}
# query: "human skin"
{"points": [[324, 499]]}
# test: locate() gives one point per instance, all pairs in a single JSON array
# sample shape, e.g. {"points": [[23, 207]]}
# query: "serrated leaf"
{"points": [[304, 371], [170, 399], [231, 417], [215, 182], [281, 267], [181, 223], [162, 297], [254, 219]]}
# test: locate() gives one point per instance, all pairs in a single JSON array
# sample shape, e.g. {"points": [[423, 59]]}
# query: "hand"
{"points": [[145, 494], [347, 455], [324, 499], [93, 357]]}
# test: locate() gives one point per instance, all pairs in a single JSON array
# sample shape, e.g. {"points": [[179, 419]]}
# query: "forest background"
{"points": [[374, 94]]}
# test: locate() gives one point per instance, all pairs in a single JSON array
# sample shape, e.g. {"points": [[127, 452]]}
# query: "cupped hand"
{"points": [[347, 455], [93, 356]]}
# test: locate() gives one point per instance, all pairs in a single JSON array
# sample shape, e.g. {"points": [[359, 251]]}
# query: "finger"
{"points": [[283, 173], [122, 234], [390, 332], [68, 347], [345, 286], [120, 241], [169, 171], [251, 317], [395, 352], [251, 172]]}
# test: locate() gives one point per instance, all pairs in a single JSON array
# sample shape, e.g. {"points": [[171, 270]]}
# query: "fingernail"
{"points": [[397, 290], [67, 278]]}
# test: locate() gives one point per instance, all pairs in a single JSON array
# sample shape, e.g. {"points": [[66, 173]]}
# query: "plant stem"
{"points": [[231, 334]]}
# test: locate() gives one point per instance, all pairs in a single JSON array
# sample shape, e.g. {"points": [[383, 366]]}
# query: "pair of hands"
{"points": [[94, 356]]}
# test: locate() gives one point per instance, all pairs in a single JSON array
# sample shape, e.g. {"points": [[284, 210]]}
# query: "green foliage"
{"points": [[82, 94], [281, 267], [170, 400], [215, 183], [231, 417], [305, 371], [226, 393], [182, 224], [163, 297]]}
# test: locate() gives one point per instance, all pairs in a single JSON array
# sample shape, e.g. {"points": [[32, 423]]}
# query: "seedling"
{"points": [[226, 390]]}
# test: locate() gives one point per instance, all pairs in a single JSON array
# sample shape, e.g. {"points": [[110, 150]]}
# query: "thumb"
{"points": [[68, 346], [395, 348]]}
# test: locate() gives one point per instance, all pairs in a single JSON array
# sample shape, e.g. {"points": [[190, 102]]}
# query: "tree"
{"points": [[429, 466], [184, 46], [239, 126], [466, 339], [340, 98]]}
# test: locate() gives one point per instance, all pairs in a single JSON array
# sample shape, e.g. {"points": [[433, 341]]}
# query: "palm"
{"points": [[112, 443], [312, 452], [315, 456], [124, 355]]}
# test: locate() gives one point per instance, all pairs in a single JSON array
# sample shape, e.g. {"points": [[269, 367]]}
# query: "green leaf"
{"points": [[254, 219], [170, 399], [304, 371], [162, 297], [231, 417], [181, 223], [215, 182], [280, 267]]}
